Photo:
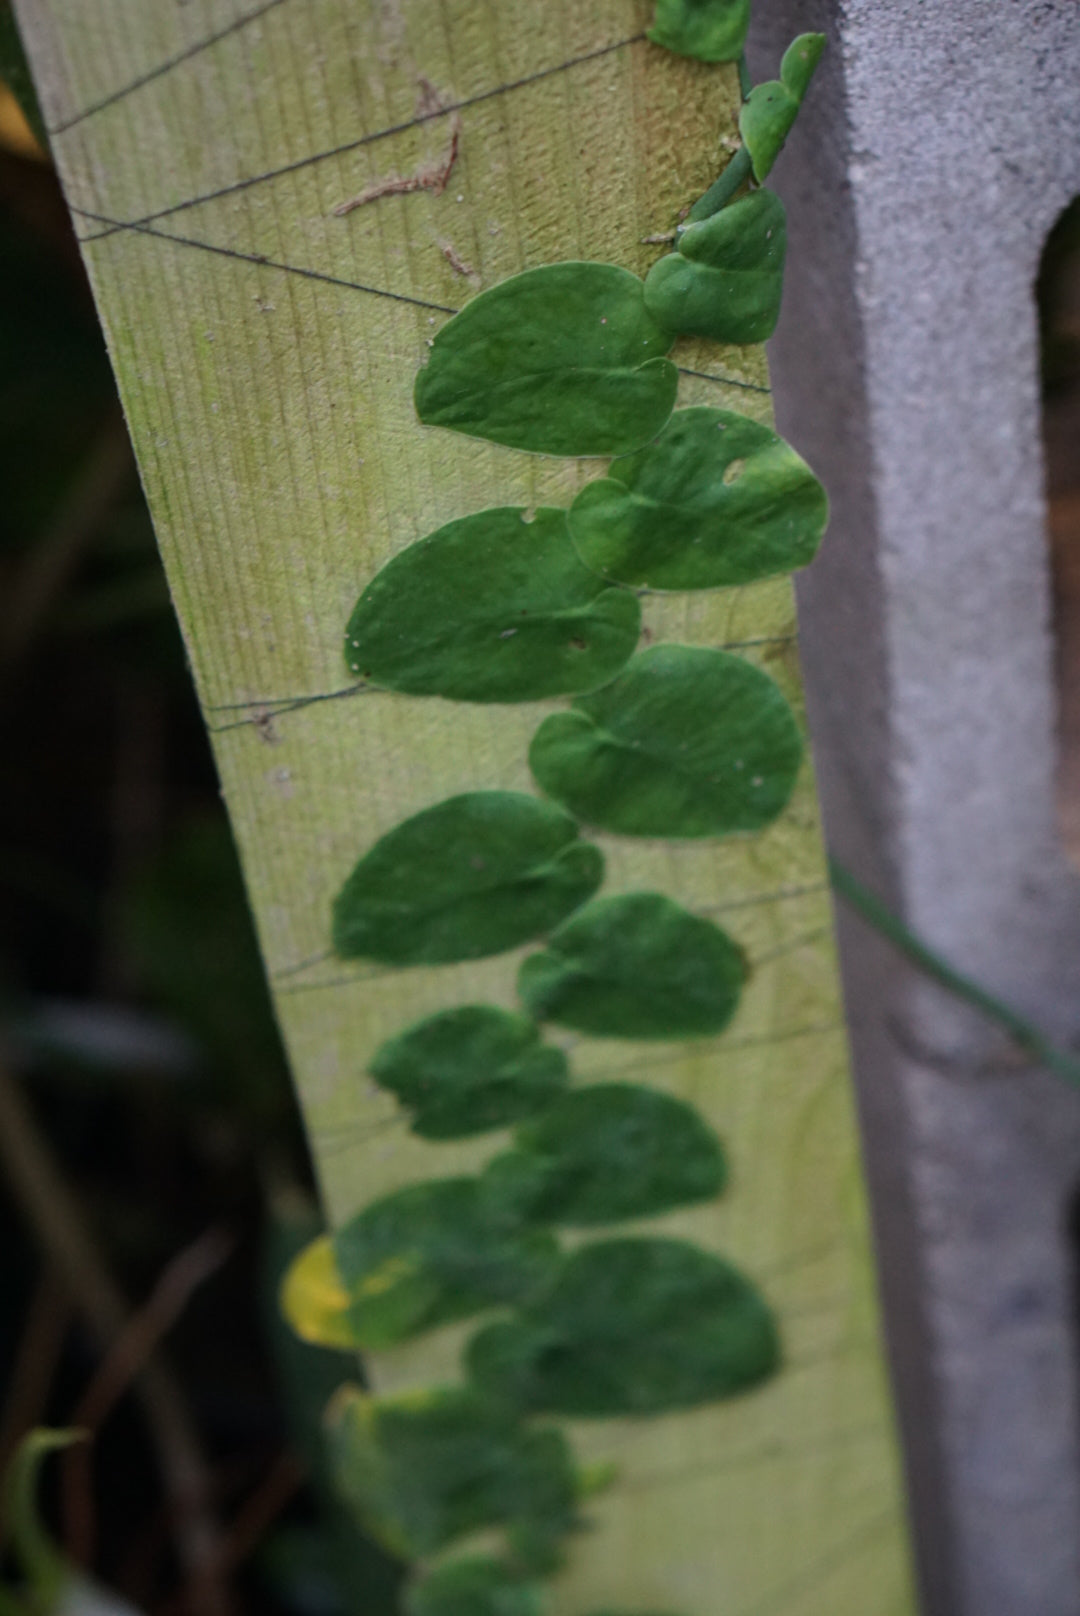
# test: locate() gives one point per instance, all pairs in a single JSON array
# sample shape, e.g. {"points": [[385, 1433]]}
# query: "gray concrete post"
{"points": [[938, 146]]}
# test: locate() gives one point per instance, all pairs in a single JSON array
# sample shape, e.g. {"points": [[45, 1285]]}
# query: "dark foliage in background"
{"points": [[135, 1026]]}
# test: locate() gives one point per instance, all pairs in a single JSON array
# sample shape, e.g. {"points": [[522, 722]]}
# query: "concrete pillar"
{"points": [[938, 146]]}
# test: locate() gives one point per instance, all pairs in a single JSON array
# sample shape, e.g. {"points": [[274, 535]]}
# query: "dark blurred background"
{"points": [[153, 1161]]}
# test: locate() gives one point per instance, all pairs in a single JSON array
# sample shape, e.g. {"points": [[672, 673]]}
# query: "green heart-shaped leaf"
{"points": [[771, 108], [477, 1586], [710, 30], [492, 608], [561, 360], [636, 966], [800, 63], [472, 876], [467, 1070], [424, 1468], [431, 1253], [727, 278], [686, 742], [615, 1150], [631, 1327], [717, 500]]}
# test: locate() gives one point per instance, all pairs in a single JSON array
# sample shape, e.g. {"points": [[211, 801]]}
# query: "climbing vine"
{"points": [[507, 605]]}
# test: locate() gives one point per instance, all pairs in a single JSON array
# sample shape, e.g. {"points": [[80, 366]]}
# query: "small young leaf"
{"points": [[686, 742], [561, 360], [477, 1586], [616, 1150], [314, 1299], [630, 1327], [492, 608], [425, 1468], [466, 1070], [636, 966], [771, 108], [472, 876], [800, 63], [726, 280], [431, 1253], [710, 30], [717, 500]]}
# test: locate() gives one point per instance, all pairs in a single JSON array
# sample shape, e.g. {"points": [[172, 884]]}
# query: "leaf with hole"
{"points": [[561, 360], [771, 108], [425, 1468], [716, 501], [636, 966], [726, 279], [686, 742], [472, 876], [431, 1253], [615, 1150], [492, 608], [630, 1327], [467, 1070], [709, 30]]}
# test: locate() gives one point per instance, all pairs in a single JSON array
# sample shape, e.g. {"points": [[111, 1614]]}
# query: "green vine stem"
{"points": [[1023, 1032], [727, 185]]}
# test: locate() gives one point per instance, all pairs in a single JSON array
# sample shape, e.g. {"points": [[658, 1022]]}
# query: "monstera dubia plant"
{"points": [[509, 605]]}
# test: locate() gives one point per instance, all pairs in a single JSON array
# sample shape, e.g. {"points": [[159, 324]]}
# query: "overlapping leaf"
{"points": [[687, 742], [424, 1469], [636, 966], [431, 1253], [561, 360], [492, 608], [717, 500], [474, 1586], [726, 279], [710, 30], [469, 1069], [610, 1151], [472, 876], [631, 1327]]}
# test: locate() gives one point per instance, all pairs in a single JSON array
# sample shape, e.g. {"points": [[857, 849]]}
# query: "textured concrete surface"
{"points": [[936, 150]]}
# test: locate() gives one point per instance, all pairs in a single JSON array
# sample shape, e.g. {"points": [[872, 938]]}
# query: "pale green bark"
{"points": [[272, 415]]}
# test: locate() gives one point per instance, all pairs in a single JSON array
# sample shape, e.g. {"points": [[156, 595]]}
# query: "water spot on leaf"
{"points": [[439, 619], [673, 516], [598, 1154], [710, 30], [726, 280], [636, 966], [631, 1327], [431, 1253], [666, 749], [469, 877], [466, 1070], [528, 364]]}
